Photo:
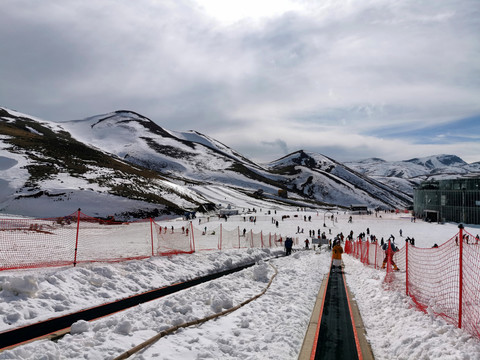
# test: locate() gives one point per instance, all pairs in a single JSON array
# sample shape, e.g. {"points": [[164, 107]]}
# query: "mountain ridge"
{"points": [[128, 156]]}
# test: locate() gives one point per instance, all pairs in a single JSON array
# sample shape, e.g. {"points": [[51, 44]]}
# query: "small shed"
{"points": [[228, 212], [358, 207]]}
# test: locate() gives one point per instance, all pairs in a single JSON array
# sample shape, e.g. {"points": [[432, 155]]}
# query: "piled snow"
{"points": [[260, 272], [395, 330], [271, 327], [18, 286]]}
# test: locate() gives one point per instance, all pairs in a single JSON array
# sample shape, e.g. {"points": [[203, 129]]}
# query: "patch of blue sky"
{"points": [[344, 115], [467, 130]]}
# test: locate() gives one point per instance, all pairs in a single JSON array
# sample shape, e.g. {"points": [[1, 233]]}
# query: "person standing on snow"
{"points": [[389, 251], [288, 245], [337, 252]]}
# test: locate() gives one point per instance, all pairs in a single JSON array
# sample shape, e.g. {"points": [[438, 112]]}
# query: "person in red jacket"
{"points": [[389, 251]]}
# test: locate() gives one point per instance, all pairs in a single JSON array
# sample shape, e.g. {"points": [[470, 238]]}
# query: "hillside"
{"points": [[327, 180], [47, 172], [192, 156], [126, 164]]}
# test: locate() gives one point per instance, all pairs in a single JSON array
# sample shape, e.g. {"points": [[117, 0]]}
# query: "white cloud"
{"points": [[230, 12], [264, 77]]}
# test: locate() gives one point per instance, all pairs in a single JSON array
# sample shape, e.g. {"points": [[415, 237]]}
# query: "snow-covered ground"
{"points": [[271, 327]]}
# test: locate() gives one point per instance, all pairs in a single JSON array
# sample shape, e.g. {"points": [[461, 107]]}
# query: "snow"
{"points": [[400, 174], [16, 175], [21, 115], [397, 331], [126, 135], [270, 327]]}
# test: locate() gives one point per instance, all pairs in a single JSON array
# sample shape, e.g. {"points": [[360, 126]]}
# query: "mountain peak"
{"points": [[375, 160], [436, 161], [131, 113], [119, 116], [123, 123]]}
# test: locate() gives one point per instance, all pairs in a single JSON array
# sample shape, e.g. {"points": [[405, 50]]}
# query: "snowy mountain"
{"points": [[192, 156], [189, 156], [47, 172], [404, 175], [329, 181], [124, 163]]}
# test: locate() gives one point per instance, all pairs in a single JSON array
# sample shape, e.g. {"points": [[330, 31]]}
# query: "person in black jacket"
{"points": [[288, 245]]}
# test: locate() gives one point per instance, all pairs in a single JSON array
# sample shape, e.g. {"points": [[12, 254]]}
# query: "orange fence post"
{"points": [[389, 257], [238, 230], [192, 245], [76, 240], [460, 283], [220, 238], [368, 252], [151, 233], [406, 267]]}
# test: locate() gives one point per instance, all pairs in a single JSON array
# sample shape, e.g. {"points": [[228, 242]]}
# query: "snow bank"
{"points": [[271, 327], [25, 286], [395, 329]]}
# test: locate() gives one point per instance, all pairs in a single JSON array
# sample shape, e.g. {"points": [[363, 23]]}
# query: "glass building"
{"points": [[456, 200]]}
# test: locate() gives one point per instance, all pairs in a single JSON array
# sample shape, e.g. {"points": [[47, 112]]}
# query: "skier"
{"points": [[389, 251]]}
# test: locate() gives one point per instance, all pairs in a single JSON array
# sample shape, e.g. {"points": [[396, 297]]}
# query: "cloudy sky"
{"points": [[348, 79]]}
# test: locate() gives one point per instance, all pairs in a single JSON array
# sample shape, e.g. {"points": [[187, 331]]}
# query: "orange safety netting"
{"points": [[29, 243], [442, 280], [111, 240], [172, 241], [78, 238]]}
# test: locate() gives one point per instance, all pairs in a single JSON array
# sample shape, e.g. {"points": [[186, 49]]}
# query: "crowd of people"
{"points": [[335, 246]]}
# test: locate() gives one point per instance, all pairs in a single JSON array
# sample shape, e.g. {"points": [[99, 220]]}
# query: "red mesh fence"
{"points": [[471, 285], [257, 240], [245, 240], [77, 238], [205, 238], [249, 239], [112, 241], [443, 280], [173, 241], [28, 243], [433, 279], [229, 239]]}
